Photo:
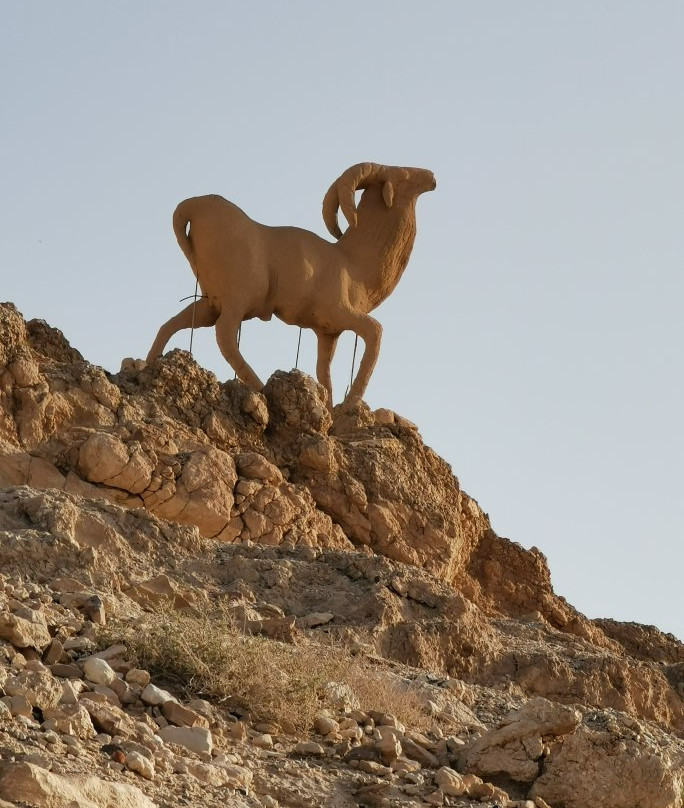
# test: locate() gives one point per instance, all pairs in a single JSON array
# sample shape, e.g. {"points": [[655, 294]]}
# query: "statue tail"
{"points": [[181, 220]]}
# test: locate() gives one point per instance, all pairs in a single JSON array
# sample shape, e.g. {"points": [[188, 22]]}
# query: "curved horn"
{"points": [[341, 195], [331, 203]]}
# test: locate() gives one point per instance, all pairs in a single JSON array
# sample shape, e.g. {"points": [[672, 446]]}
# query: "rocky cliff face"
{"points": [[160, 483]]}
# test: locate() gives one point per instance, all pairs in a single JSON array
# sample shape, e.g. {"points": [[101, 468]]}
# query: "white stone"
{"points": [[98, 671], [196, 739], [140, 764], [155, 696]]}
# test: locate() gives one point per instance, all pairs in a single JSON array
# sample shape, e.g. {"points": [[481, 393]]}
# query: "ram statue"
{"points": [[245, 269]]}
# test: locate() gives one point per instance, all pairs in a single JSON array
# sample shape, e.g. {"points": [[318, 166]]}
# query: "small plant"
{"points": [[205, 654]]}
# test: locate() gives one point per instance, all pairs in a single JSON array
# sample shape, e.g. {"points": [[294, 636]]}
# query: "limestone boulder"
{"points": [[195, 739], [102, 457], [597, 767], [27, 784], [24, 633], [40, 689], [253, 466], [108, 717], [161, 590], [70, 719], [517, 746], [202, 494]]}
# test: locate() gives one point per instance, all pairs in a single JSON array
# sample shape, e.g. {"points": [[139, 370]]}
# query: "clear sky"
{"points": [[536, 336]]}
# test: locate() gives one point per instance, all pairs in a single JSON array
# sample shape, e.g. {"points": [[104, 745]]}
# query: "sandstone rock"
{"points": [[516, 746], [13, 330], [254, 466], [371, 767], [416, 752], [70, 719], [277, 628], [18, 705], [237, 731], [203, 707], [324, 724], [53, 653], [262, 740], [137, 677], [110, 695], [386, 720], [111, 653], [486, 791], [102, 457], [26, 783], [595, 767], [66, 671], [122, 690], [236, 777], [296, 404], [38, 759], [383, 416], [23, 633], [182, 716], [158, 590], [318, 452], [309, 748], [40, 689], [107, 717], [208, 478], [354, 733], [314, 619], [389, 747], [450, 782]]}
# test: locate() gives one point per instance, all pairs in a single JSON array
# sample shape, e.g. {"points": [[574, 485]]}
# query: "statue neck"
{"points": [[380, 245]]}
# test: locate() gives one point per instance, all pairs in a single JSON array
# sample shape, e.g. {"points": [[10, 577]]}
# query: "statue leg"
{"points": [[370, 332], [204, 315], [326, 349], [226, 335]]}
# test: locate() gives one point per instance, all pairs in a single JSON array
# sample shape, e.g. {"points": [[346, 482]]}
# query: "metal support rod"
{"points": [[299, 342], [194, 305], [239, 334], [351, 377]]}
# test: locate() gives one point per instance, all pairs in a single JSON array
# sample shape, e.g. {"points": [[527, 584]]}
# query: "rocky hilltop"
{"points": [[211, 596]]}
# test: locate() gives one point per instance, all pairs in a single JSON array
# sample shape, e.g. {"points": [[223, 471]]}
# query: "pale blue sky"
{"points": [[544, 361]]}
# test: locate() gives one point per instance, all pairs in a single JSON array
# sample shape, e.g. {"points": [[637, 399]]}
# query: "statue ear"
{"points": [[388, 193]]}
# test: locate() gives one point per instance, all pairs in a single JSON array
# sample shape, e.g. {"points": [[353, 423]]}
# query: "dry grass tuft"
{"points": [[387, 693], [205, 654]]}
